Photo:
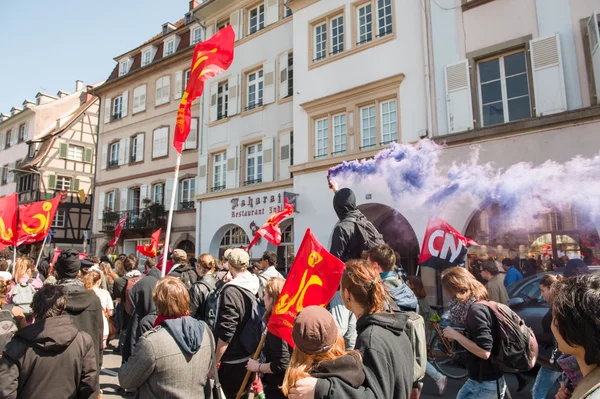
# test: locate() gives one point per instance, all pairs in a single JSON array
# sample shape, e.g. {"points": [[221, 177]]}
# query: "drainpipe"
{"points": [[427, 65]]}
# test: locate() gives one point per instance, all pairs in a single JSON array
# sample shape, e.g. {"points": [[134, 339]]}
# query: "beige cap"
{"points": [[238, 258], [179, 255]]}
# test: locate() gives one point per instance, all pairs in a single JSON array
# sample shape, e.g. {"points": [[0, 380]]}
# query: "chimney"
{"points": [[78, 85], [194, 4], [62, 94]]}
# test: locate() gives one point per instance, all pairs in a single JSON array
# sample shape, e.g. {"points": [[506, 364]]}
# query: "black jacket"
{"points": [[185, 273], [346, 242], [234, 311], [277, 352], [387, 359], [49, 359], [481, 329], [198, 294], [348, 369]]}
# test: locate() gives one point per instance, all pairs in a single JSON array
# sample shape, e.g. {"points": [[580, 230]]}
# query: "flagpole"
{"points": [[14, 257], [170, 219], [41, 251]]}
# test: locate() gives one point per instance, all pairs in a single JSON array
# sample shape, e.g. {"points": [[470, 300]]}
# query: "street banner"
{"points": [[150, 250], [8, 220], [35, 220], [270, 230], [313, 280], [443, 245], [118, 230]]}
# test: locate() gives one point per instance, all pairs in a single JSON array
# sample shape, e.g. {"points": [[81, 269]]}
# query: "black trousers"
{"points": [[231, 377]]}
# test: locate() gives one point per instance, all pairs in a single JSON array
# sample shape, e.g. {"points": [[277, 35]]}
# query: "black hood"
{"points": [[80, 299], [344, 203], [187, 332], [391, 321], [347, 368], [54, 334]]}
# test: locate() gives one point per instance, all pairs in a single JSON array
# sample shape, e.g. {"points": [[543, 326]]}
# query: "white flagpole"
{"points": [[41, 251], [170, 219], [14, 257]]}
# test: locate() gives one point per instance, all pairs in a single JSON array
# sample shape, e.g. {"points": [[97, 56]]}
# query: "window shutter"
{"points": [[458, 97], [101, 205], [15, 137], [11, 173], [142, 106], [191, 141], [202, 175], [127, 149], [123, 199], [594, 41], [271, 11], [107, 108], [177, 90], [169, 187], [166, 92], [214, 89], [63, 150], [75, 187], [158, 94], [283, 75], [548, 76], [104, 159], [232, 167], [285, 148], [144, 193], [122, 152], [125, 107], [139, 151], [268, 166], [269, 80], [88, 155], [52, 182], [2, 141], [235, 20], [233, 107]]}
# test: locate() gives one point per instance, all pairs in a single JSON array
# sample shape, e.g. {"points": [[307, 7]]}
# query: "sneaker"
{"points": [[441, 384]]}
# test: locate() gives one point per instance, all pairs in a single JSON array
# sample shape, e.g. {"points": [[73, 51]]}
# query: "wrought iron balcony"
{"points": [[186, 205], [217, 188], [252, 182], [113, 164], [151, 217]]}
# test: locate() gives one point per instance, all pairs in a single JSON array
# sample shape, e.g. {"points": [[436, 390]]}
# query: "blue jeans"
{"points": [[433, 373], [481, 390], [543, 382]]}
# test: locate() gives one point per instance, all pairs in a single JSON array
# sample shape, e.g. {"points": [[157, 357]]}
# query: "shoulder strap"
{"points": [[213, 358]]}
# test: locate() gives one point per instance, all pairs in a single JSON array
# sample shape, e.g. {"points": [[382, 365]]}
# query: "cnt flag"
{"points": [[150, 250], [270, 230], [8, 220], [35, 220], [443, 245], [118, 230], [211, 57], [313, 280]]}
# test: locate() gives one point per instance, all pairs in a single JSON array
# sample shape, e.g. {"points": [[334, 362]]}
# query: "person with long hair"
{"points": [[484, 379], [320, 352], [382, 341], [92, 281], [276, 351], [206, 284], [24, 285]]}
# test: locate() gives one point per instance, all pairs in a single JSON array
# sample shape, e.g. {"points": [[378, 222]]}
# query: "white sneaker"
{"points": [[441, 384]]}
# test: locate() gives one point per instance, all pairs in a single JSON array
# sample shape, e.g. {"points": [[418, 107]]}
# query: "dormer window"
{"points": [[124, 66], [196, 34], [148, 55], [169, 47]]}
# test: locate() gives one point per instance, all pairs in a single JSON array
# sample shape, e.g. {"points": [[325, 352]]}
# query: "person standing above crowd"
{"points": [[206, 284], [512, 274], [495, 282]]}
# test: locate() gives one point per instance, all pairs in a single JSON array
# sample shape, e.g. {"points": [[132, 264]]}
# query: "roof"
{"points": [[177, 25]]}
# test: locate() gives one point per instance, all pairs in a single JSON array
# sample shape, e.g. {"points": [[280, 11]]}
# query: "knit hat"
{"points": [[314, 330], [238, 258], [576, 267], [68, 264]]}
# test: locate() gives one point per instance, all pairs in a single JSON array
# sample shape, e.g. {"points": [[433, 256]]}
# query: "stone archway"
{"points": [[230, 235]]}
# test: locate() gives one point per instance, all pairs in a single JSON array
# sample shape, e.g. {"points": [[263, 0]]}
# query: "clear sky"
{"points": [[47, 45]]}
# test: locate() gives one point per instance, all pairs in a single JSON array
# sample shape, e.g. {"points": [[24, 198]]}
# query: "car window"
{"points": [[532, 290]]}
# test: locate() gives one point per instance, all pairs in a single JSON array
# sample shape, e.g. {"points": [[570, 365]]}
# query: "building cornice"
{"points": [[246, 190], [145, 174], [297, 5], [325, 164]]}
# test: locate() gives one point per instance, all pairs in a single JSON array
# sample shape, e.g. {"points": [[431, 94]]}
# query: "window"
{"points": [[322, 139], [59, 219], [196, 35], [188, 193], [5, 171], [368, 127], [117, 107], [365, 23], [329, 35], [219, 171], [75, 153], [255, 89], [169, 47], [160, 141], [133, 149], [8, 139], [320, 41], [389, 121], [256, 19], [222, 24], [163, 90], [222, 100], [22, 133], [25, 183], [339, 134], [157, 193], [504, 89], [63, 183], [290, 74], [124, 66], [233, 237], [147, 56], [186, 79], [110, 201], [337, 34], [286, 10], [134, 200], [254, 164], [113, 160], [384, 17]]}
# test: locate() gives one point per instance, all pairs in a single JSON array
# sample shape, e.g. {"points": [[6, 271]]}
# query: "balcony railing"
{"points": [[252, 182], [217, 188], [254, 105], [113, 164], [186, 205], [152, 217]]}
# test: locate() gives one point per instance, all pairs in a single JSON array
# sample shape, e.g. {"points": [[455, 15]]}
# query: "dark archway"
{"points": [[188, 246]]}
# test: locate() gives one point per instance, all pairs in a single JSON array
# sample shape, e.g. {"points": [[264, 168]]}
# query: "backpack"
{"points": [[22, 297], [370, 236], [130, 283], [516, 349], [8, 326], [211, 303], [186, 278], [253, 329]]}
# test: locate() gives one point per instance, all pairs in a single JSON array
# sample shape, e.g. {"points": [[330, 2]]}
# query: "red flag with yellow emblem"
{"points": [[271, 230], [35, 220], [8, 220], [313, 280], [150, 250], [211, 57]]}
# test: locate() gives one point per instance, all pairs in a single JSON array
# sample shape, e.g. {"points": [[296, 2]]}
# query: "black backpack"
{"points": [[254, 327], [370, 236], [189, 277], [212, 301]]}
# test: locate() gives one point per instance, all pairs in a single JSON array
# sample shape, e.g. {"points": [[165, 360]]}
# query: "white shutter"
{"points": [[191, 141], [232, 167], [177, 91], [139, 99], [104, 159], [159, 90], [285, 152], [201, 181], [139, 150], [127, 149], [235, 20], [2, 141], [233, 107], [268, 166], [458, 97], [125, 104], [122, 152], [269, 80], [144, 193], [123, 199], [214, 93], [166, 89], [169, 187], [14, 139], [107, 109], [101, 200], [271, 11], [283, 75], [548, 76], [11, 172], [594, 41]]}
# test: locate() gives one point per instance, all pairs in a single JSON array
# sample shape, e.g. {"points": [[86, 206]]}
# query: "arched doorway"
{"points": [[188, 246], [233, 237], [397, 233]]}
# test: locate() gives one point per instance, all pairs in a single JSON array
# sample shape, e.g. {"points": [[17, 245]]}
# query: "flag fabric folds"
{"points": [[211, 57], [118, 230], [150, 250], [8, 220], [313, 280], [35, 220], [270, 230], [443, 245]]}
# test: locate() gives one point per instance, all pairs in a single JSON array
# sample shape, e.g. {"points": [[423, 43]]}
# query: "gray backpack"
{"points": [[415, 329], [22, 297]]}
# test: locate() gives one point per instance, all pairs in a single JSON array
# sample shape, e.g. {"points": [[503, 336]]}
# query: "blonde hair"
{"points": [[273, 289], [461, 284], [171, 297], [22, 268], [91, 279]]}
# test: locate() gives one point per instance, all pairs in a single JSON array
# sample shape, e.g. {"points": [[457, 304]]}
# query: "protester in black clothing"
{"points": [[461, 285], [182, 269], [207, 283], [276, 351], [382, 341]]}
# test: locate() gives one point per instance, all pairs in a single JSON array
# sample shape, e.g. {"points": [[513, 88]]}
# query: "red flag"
{"points": [[443, 245], [270, 230], [8, 220], [57, 252], [35, 220], [115, 240], [211, 57], [313, 280], [151, 249]]}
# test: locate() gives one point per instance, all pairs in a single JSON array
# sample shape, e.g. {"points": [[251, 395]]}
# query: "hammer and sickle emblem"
{"points": [[44, 220], [314, 259], [6, 235]]}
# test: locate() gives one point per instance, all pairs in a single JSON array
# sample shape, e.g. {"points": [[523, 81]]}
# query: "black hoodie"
{"points": [[387, 360], [346, 242], [49, 359]]}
